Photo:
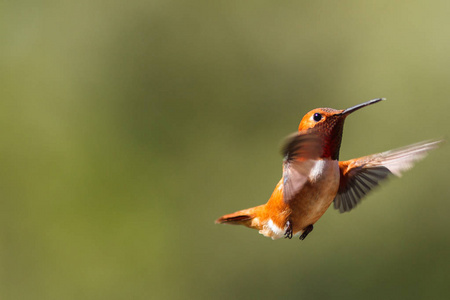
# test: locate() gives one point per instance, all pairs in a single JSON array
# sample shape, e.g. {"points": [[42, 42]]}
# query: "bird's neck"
{"points": [[332, 142]]}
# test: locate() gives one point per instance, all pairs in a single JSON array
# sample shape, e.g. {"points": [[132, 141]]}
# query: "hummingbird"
{"points": [[313, 177]]}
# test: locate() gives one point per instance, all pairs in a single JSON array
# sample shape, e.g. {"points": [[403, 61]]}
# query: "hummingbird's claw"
{"points": [[288, 234], [307, 230]]}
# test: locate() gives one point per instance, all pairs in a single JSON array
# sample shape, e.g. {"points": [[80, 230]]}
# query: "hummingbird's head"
{"points": [[328, 123]]}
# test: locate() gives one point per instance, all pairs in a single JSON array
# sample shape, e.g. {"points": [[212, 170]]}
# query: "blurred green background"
{"points": [[128, 127]]}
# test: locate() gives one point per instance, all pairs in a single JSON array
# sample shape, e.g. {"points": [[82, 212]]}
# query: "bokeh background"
{"points": [[128, 127]]}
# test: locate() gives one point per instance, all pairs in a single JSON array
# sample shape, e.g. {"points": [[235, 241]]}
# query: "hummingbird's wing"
{"points": [[299, 150], [360, 175]]}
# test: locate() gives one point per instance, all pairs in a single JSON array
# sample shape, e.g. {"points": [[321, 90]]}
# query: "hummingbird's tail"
{"points": [[242, 217]]}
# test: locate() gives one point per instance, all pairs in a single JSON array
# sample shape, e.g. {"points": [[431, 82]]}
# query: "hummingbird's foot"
{"points": [[307, 230], [288, 234]]}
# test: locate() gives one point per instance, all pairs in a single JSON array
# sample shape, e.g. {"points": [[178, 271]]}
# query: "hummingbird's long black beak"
{"points": [[348, 111]]}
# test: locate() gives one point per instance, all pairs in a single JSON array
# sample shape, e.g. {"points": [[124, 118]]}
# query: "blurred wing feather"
{"points": [[299, 150]]}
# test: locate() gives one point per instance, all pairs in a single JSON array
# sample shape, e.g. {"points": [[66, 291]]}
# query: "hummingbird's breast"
{"points": [[308, 206], [317, 194]]}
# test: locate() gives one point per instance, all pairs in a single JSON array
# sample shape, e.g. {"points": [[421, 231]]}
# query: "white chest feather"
{"points": [[322, 168]]}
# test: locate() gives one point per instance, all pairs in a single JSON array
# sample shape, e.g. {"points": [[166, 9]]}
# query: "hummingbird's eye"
{"points": [[317, 117]]}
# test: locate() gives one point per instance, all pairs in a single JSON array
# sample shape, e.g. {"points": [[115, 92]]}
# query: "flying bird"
{"points": [[313, 177]]}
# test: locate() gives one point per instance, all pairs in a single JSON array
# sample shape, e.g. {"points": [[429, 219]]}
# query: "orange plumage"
{"points": [[313, 177]]}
